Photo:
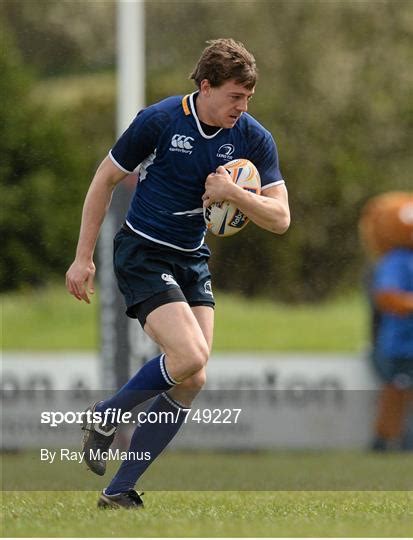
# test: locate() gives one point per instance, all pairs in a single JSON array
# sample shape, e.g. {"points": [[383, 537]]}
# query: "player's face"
{"points": [[223, 105]]}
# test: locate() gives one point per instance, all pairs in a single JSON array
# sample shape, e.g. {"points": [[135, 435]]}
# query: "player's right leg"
{"points": [[186, 352], [178, 332], [152, 294]]}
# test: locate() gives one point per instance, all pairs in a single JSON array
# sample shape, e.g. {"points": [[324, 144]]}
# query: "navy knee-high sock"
{"points": [[149, 438], [152, 379]]}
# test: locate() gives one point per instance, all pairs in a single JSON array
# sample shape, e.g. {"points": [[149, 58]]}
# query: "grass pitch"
{"points": [[212, 514], [215, 471], [311, 504], [286, 513], [47, 319]]}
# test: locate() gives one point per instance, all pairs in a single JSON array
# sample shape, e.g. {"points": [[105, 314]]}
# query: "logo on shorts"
{"points": [[181, 143], [208, 287], [225, 151], [169, 280]]}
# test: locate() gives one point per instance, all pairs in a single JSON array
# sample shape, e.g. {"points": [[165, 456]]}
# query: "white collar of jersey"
{"points": [[198, 123]]}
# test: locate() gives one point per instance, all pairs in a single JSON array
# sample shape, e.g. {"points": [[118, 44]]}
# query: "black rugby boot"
{"points": [[96, 440], [129, 500]]}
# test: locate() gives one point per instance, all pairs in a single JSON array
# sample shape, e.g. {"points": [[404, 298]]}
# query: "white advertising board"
{"points": [[285, 400]]}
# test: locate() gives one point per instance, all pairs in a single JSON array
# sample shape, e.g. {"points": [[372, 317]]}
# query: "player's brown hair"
{"points": [[223, 60]]}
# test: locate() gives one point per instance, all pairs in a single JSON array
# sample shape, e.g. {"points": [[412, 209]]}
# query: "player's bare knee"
{"points": [[183, 363], [199, 358], [192, 364], [195, 356]]}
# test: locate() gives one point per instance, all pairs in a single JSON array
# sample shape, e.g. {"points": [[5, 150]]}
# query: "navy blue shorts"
{"points": [[150, 275]]}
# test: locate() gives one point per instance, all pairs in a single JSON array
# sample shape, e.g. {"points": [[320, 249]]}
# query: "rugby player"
{"points": [[180, 145]]}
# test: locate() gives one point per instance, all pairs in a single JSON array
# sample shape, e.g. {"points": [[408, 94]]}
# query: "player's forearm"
{"points": [[96, 204], [268, 213], [94, 210]]}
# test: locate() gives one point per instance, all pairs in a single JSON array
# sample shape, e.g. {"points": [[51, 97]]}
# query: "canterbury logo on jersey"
{"points": [[208, 287], [181, 143], [169, 280]]}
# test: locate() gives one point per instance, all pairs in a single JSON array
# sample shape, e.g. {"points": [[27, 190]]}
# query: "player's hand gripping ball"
{"points": [[224, 218]]}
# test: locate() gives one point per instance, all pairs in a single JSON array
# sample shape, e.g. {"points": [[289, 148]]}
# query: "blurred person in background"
{"points": [[386, 230]]}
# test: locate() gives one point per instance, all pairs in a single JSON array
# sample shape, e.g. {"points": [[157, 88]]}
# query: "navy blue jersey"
{"points": [[175, 157]]}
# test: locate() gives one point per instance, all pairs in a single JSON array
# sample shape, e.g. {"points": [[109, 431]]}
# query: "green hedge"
{"points": [[48, 154]]}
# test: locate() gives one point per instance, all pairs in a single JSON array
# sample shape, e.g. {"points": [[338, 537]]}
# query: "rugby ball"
{"points": [[224, 218]]}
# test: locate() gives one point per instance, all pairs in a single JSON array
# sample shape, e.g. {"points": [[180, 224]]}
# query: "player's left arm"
{"points": [[269, 211]]}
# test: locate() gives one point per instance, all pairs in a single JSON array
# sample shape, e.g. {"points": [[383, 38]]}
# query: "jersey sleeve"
{"points": [[264, 155], [139, 140]]}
